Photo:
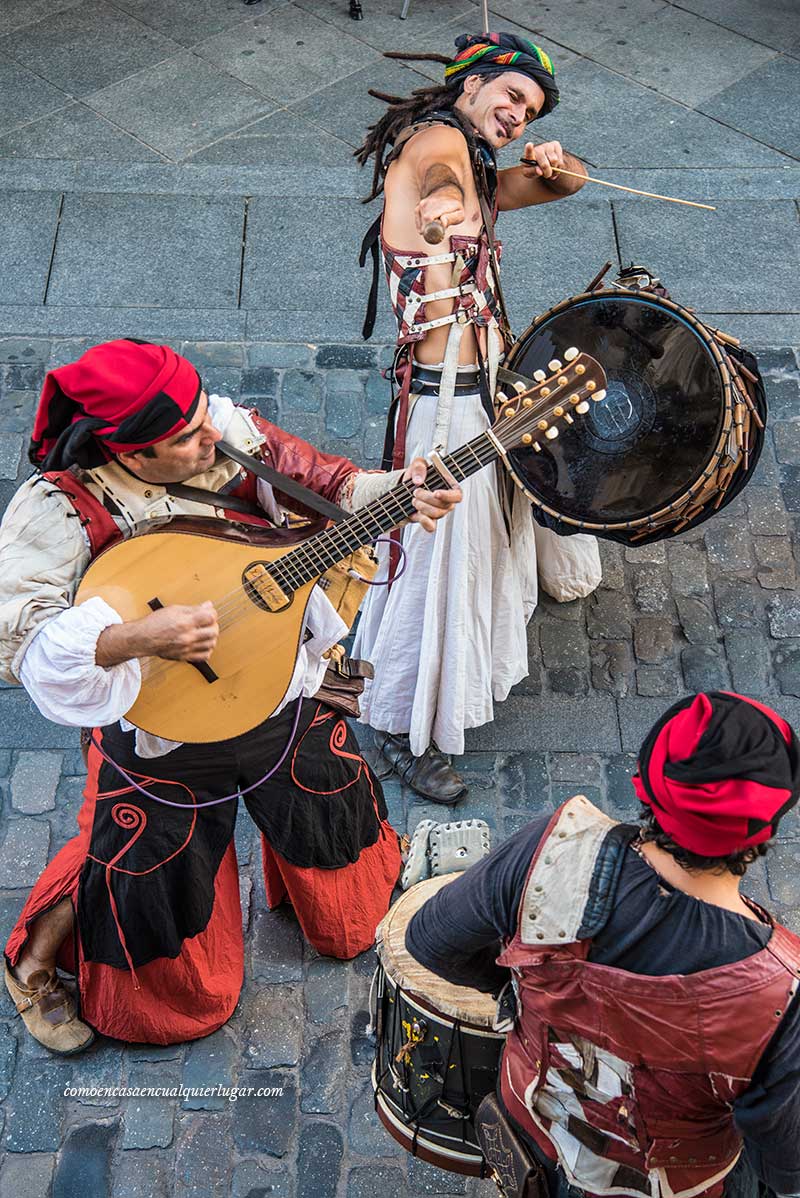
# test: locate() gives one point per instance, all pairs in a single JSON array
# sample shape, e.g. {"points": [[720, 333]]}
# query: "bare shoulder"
{"points": [[442, 142]]}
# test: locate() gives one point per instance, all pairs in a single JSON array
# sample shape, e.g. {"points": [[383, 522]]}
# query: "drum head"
{"points": [[652, 437], [459, 1002]]}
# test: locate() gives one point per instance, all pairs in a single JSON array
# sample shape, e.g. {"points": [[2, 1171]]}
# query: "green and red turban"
{"points": [[118, 397], [494, 53], [718, 771]]}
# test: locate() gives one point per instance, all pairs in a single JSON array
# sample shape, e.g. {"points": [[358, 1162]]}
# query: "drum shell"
{"points": [[692, 496], [456, 1064]]}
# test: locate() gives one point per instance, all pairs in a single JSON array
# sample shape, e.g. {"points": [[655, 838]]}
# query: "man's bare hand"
{"points": [[444, 206], [544, 160], [177, 632], [430, 505]]}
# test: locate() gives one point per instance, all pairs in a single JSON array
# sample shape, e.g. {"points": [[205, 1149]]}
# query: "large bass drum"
{"points": [[677, 436], [437, 1054]]}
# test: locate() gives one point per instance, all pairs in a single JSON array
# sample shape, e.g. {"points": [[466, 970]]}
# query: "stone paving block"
{"points": [[748, 659], [34, 1107], [613, 565], [274, 1027], [362, 1042], [148, 1122], [366, 1181], [525, 782], [105, 251], [101, 1069], [783, 612], [315, 54], [576, 767], [23, 855], [180, 105], [26, 1173], [266, 1124], [301, 391], [142, 1175], [10, 455], [345, 110], [279, 354], [427, 1179], [203, 1161], [563, 645], [771, 22], [658, 680], [782, 865], [644, 128], [608, 616], [28, 220], [209, 1062], [718, 272], [75, 132], [775, 555], [636, 718], [529, 285], [687, 565], [277, 948], [8, 1057], [278, 251], [738, 603], [653, 638], [760, 104], [729, 546], [282, 139], [620, 796], [24, 96], [540, 722], [344, 403], [765, 511], [319, 1161], [34, 782], [252, 1180], [787, 441], [188, 21], [86, 47], [683, 56], [323, 1067], [786, 663], [704, 668], [612, 667], [366, 1135]]}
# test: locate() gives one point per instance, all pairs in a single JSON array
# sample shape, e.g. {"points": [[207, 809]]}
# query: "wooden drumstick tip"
{"points": [[433, 232]]}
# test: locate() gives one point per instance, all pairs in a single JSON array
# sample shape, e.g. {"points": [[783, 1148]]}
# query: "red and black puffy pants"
{"points": [[157, 947]]}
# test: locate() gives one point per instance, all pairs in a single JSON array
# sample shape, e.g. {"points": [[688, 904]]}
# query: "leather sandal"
{"points": [[49, 1013], [430, 775]]}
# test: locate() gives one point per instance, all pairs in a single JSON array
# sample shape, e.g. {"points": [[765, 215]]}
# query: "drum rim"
{"points": [[427, 1008], [473, 1163], [696, 486]]}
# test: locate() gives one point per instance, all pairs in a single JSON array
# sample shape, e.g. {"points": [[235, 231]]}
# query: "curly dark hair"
{"points": [[402, 112], [650, 832]]}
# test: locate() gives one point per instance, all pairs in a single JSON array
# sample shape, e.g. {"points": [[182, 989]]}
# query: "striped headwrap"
{"points": [[494, 53]]}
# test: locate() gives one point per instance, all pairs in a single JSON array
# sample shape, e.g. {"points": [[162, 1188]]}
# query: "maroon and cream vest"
{"points": [[628, 1079]]}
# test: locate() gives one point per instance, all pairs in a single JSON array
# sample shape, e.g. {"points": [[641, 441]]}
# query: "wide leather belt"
{"points": [[426, 380]]}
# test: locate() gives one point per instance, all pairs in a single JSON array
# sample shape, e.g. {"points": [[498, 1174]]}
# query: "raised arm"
{"points": [[521, 186], [432, 177]]}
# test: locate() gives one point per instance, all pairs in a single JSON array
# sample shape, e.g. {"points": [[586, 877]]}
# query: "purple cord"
{"points": [[212, 802], [385, 582]]}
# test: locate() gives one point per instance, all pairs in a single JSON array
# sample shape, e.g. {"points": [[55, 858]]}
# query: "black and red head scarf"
{"points": [[118, 397], [719, 771]]}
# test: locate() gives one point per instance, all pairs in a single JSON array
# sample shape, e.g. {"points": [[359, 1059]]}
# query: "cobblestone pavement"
{"points": [[183, 170]]}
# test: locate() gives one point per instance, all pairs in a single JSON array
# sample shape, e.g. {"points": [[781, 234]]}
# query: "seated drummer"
{"points": [[657, 1028], [142, 905]]}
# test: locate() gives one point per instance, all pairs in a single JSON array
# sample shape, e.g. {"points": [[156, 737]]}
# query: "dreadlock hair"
{"points": [[403, 111]]}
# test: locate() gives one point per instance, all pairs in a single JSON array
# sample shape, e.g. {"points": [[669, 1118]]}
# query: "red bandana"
{"points": [[118, 397], [718, 771]]}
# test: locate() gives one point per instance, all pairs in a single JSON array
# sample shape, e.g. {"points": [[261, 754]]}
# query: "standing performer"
{"points": [[143, 904], [657, 1027], [449, 637]]}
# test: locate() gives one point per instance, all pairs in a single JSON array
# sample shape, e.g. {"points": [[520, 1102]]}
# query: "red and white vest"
{"points": [[628, 1079]]}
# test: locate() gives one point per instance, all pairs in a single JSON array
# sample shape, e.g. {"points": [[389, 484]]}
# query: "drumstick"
{"points": [[653, 195], [433, 232]]}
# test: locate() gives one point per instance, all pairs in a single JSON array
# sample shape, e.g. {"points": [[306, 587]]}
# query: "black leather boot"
{"points": [[431, 775]]}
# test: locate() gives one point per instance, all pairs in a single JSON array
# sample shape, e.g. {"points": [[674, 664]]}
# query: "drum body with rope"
{"points": [[677, 436], [437, 1055]]}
